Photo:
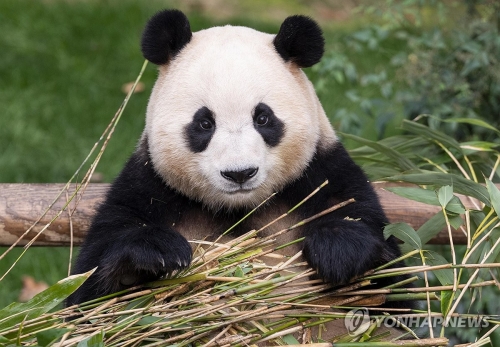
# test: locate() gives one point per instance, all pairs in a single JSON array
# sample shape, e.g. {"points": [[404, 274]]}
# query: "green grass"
{"points": [[47, 264], [62, 77], [62, 67]]}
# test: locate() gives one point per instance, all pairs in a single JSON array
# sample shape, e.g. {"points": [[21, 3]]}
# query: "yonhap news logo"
{"points": [[358, 320]]}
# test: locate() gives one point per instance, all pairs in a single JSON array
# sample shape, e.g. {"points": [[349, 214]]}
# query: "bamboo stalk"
{"points": [[207, 304]]}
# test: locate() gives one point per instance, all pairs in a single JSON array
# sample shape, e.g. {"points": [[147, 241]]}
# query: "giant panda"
{"points": [[231, 119]]}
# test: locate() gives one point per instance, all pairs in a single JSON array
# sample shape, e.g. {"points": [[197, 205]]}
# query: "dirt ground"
{"points": [[321, 10]]}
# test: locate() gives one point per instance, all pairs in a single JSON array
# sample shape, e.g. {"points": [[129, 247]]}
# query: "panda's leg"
{"points": [[349, 241], [130, 240], [136, 255], [340, 250]]}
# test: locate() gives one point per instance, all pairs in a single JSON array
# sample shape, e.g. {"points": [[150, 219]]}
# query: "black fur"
{"points": [[273, 130], [300, 40], [166, 33], [131, 241], [197, 136], [349, 241], [130, 237]]}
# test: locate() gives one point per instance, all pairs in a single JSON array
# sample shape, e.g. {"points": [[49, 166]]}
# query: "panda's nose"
{"points": [[240, 177]]}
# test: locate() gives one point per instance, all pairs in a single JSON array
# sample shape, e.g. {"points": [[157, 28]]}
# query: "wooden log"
{"points": [[22, 204], [399, 209]]}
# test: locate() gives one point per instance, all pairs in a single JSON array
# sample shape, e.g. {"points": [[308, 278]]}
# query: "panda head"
{"points": [[232, 118]]}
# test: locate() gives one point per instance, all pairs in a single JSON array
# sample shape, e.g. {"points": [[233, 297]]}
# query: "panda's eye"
{"points": [[262, 119], [205, 124]]}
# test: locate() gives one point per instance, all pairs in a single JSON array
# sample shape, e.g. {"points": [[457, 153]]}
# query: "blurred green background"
{"points": [[63, 65]]}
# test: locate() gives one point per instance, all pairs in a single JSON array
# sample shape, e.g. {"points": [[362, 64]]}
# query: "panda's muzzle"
{"points": [[240, 177]]}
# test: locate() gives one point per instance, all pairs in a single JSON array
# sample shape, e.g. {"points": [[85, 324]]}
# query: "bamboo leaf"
{"points": [[49, 337], [455, 221], [238, 272], [403, 162], [444, 276], [405, 233], [425, 196], [431, 134], [290, 340], [428, 230], [479, 146], [472, 121], [376, 173], [455, 206], [446, 301], [460, 184], [43, 302], [149, 320], [93, 341], [485, 250], [488, 247], [445, 194], [494, 196]]}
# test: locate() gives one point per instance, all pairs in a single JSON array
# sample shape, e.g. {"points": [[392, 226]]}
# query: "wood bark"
{"points": [[23, 204]]}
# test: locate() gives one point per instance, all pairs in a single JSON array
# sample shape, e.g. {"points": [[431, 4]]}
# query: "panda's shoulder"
{"points": [[331, 163], [140, 187]]}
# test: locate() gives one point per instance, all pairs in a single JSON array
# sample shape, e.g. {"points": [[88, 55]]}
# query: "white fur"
{"points": [[230, 70]]}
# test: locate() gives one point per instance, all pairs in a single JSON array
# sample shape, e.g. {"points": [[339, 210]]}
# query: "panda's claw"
{"points": [[143, 258], [337, 261]]}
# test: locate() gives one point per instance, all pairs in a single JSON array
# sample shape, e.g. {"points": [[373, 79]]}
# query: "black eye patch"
{"points": [[199, 132], [268, 125]]}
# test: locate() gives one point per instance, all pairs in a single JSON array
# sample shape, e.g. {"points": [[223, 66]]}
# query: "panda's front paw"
{"points": [[340, 253], [145, 256]]}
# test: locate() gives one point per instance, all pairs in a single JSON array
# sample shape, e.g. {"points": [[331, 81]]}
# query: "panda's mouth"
{"points": [[240, 190]]}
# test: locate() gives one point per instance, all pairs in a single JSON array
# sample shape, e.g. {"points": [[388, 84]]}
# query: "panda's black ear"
{"points": [[300, 40], [166, 33]]}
